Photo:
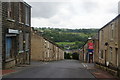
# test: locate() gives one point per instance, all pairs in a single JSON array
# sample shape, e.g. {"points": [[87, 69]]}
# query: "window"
{"points": [[27, 15], [11, 10], [102, 37], [112, 31], [10, 47], [27, 41], [102, 54], [20, 42], [110, 53], [20, 12]]}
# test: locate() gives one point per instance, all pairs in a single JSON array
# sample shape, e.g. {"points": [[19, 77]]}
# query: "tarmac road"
{"points": [[55, 69]]}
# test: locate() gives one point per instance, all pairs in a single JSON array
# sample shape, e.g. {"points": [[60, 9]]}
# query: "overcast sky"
{"points": [[73, 13]]}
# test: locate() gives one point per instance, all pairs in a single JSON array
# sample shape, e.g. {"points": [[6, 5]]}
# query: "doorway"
{"points": [[116, 51], [10, 47]]}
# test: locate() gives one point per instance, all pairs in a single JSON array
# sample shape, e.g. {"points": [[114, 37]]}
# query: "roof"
{"points": [[16, 1], [39, 33], [110, 21]]}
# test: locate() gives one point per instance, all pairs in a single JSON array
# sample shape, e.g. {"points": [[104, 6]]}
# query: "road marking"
{"points": [[85, 65]]}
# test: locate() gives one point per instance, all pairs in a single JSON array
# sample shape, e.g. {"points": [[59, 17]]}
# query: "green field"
{"points": [[65, 43]]}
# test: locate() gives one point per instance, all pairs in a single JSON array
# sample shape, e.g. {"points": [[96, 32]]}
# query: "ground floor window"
{"points": [[102, 54], [20, 42], [110, 53], [27, 39]]}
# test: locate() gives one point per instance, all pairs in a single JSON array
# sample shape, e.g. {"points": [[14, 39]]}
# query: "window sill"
{"points": [[101, 58], [21, 23], [27, 50], [21, 52], [10, 59], [27, 25], [111, 40], [11, 20]]}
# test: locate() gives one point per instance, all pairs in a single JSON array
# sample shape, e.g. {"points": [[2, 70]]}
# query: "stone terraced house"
{"points": [[43, 49], [15, 33], [109, 47]]}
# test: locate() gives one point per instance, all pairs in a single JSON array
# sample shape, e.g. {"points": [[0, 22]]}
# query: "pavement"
{"points": [[59, 69]]}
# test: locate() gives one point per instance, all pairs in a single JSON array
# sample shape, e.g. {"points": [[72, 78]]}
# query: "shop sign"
{"points": [[13, 31]]}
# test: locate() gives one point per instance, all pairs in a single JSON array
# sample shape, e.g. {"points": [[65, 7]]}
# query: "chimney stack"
{"points": [[118, 7]]}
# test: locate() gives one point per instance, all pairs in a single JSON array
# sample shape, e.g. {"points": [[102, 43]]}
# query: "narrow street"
{"points": [[55, 69]]}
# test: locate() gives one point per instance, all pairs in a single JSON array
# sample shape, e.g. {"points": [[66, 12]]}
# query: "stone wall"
{"points": [[13, 22], [0, 37]]}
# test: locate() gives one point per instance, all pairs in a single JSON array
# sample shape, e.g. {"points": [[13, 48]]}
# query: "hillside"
{"points": [[68, 38]]}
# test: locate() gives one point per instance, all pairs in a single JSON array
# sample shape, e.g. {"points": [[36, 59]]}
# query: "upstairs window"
{"points": [[102, 37], [27, 16], [11, 10], [20, 12], [112, 31]]}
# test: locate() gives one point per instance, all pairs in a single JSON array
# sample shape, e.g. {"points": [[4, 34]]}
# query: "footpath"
{"points": [[100, 74]]}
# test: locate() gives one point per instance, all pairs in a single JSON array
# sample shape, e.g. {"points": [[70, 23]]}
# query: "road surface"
{"points": [[55, 69]]}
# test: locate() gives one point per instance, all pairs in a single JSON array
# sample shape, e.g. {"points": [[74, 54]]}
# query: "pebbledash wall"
{"points": [[16, 32], [42, 49]]}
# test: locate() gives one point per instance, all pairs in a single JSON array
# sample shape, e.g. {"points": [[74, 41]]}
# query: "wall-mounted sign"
{"points": [[13, 31], [90, 45]]}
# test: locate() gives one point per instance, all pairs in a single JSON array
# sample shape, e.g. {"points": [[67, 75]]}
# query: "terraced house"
{"points": [[0, 35], [16, 22], [87, 52], [109, 46], [43, 49]]}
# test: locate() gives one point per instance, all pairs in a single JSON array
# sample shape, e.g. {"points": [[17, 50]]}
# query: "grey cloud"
{"points": [[90, 6], [45, 9]]}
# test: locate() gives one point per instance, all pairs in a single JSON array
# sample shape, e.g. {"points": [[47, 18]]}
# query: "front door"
{"points": [[8, 46]]}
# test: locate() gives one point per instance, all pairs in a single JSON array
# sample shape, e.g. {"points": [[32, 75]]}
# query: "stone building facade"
{"points": [[42, 49], [88, 51], [16, 22], [0, 35], [109, 46], [81, 55], [88, 55], [96, 48]]}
